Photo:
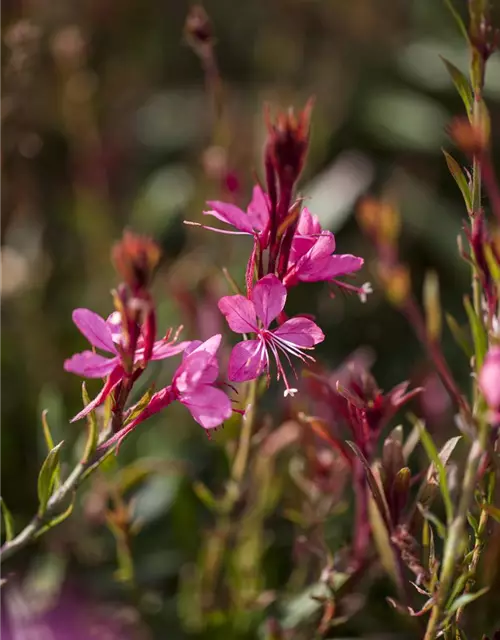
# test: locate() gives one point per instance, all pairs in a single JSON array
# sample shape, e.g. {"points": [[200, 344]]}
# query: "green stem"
{"points": [[55, 506]]}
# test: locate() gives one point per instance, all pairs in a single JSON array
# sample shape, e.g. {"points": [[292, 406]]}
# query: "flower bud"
{"points": [[472, 139], [198, 28], [287, 143], [136, 258], [489, 378]]}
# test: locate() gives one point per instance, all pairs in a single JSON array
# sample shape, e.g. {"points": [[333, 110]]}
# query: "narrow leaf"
{"points": [[56, 520], [460, 179], [436, 460], [93, 433], [50, 444], [458, 20], [430, 517], [205, 495], [478, 333], [47, 476], [465, 599], [374, 487], [492, 511], [141, 405], [461, 83], [8, 521], [461, 337]]}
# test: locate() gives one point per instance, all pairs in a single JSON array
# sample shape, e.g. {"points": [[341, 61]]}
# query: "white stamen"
{"points": [[290, 392]]}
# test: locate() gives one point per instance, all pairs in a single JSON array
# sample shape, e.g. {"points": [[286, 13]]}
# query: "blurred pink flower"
{"points": [[489, 379], [107, 335], [250, 358], [193, 385]]}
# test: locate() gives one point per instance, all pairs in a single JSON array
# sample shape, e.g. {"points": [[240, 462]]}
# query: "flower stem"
{"points": [[241, 458], [55, 505]]}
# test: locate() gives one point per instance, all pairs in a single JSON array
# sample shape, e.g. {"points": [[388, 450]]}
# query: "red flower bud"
{"points": [[136, 258]]}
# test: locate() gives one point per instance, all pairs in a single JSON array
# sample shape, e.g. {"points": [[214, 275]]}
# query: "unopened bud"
{"points": [[380, 220], [472, 139], [198, 28], [287, 143], [397, 283], [136, 258]]}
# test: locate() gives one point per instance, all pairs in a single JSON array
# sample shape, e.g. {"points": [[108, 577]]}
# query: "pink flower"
{"points": [[255, 222], [193, 386], [312, 258], [250, 358], [489, 378], [107, 336]]}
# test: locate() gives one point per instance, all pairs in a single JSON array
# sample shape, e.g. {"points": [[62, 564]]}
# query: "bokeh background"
{"points": [[107, 124]]}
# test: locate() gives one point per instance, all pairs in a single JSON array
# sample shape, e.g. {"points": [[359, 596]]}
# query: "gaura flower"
{"points": [[312, 258], [193, 385], [250, 358], [107, 336], [253, 222]]}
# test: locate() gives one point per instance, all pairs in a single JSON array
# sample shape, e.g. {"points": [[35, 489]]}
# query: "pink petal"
{"points": [[114, 323], [94, 328], [90, 365], [163, 349], [308, 224], [247, 361], [208, 406], [113, 379], [230, 214], [300, 331], [269, 297], [197, 368], [210, 346], [239, 313], [258, 209], [331, 267]]}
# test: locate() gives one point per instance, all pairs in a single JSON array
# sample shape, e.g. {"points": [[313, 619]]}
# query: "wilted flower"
{"points": [[250, 358]]}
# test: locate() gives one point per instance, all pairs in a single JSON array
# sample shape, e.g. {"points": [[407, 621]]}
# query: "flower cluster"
{"points": [[289, 247]]}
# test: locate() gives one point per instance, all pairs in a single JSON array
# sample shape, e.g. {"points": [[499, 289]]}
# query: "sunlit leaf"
{"points": [[93, 433], [465, 599], [460, 179], [461, 83], [478, 333], [50, 444], [461, 337], [47, 477]]}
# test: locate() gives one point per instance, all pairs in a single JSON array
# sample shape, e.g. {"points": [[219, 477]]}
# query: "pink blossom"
{"points": [[253, 222], [250, 358], [312, 258], [107, 336], [193, 385], [489, 378]]}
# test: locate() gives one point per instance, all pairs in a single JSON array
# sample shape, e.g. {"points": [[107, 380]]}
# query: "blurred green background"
{"points": [[107, 124]]}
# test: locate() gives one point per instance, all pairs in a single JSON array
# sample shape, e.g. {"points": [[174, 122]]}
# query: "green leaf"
{"points": [[204, 494], [478, 333], [8, 521], [458, 20], [465, 599], [460, 179], [461, 337], [141, 405], [435, 458], [56, 520], [374, 486], [47, 477], [430, 517], [492, 511], [93, 432], [461, 83], [50, 444]]}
